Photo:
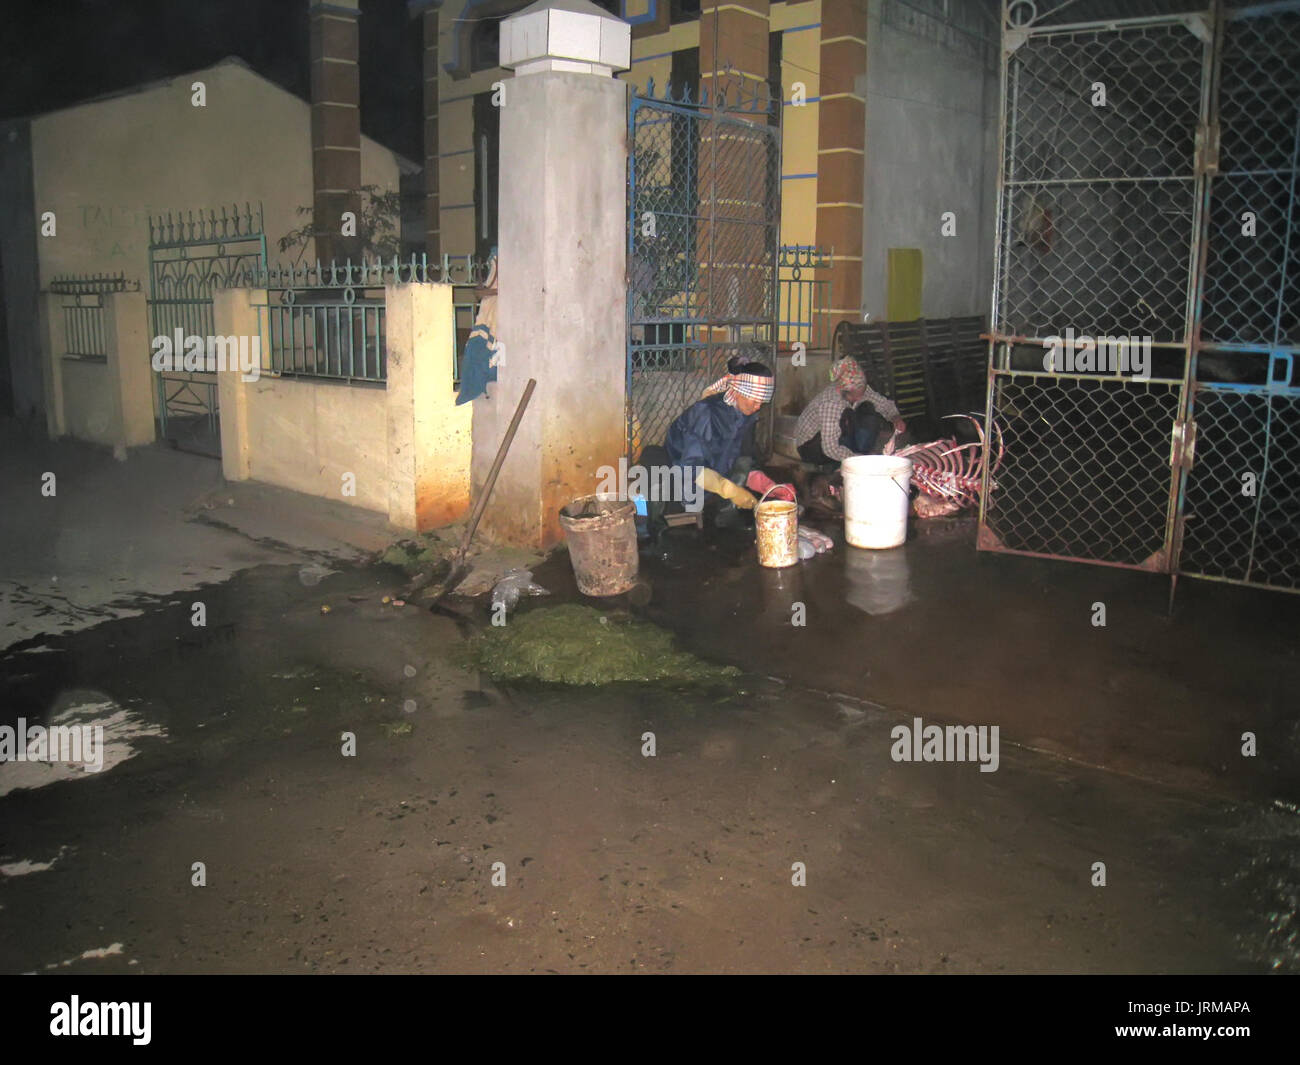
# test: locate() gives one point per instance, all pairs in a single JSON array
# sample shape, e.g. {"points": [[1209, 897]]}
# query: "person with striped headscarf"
{"points": [[707, 439], [845, 419]]}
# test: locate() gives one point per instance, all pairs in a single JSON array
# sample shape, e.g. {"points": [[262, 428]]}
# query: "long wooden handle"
{"points": [[497, 463]]}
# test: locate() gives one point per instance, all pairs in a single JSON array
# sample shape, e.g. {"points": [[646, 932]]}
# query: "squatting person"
{"points": [[707, 441], [846, 418]]}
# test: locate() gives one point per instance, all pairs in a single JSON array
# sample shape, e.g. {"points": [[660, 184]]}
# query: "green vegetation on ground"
{"points": [[574, 644]]}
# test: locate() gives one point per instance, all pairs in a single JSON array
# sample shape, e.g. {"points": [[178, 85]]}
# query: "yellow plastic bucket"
{"points": [[777, 525]]}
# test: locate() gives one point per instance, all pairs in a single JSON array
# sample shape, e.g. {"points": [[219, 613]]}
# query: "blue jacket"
{"points": [[709, 433]]}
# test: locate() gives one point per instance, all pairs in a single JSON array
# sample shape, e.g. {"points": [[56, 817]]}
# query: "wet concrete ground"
{"points": [[939, 630], [618, 862], [85, 538]]}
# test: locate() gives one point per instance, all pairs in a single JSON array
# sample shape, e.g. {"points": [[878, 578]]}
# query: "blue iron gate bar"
{"points": [[703, 212], [803, 297]]}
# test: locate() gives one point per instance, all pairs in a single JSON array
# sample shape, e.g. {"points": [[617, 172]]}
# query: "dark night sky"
{"points": [[57, 52]]}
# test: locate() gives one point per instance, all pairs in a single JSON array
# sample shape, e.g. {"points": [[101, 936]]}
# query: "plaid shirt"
{"points": [[822, 415]]}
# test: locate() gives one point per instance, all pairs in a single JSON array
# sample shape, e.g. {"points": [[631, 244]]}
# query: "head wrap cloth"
{"points": [[848, 375], [752, 386]]}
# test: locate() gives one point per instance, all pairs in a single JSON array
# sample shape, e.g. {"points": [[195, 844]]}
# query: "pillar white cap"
{"points": [[570, 35]]}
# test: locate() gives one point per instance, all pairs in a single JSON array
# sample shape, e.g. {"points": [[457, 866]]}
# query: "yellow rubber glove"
{"points": [[713, 481]]}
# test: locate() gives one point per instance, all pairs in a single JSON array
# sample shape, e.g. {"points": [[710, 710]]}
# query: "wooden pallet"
{"points": [[930, 367]]}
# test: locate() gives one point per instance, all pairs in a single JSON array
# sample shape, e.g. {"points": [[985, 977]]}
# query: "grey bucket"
{"points": [[601, 535]]}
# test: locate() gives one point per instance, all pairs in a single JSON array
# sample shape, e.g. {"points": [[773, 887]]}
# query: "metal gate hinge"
{"points": [[1207, 148], [1182, 445]]}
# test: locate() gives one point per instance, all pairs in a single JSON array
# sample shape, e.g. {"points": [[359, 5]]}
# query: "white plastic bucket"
{"points": [[877, 491]]}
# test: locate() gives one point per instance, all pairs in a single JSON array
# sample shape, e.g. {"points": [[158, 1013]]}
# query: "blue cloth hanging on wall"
{"points": [[476, 368], [478, 363]]}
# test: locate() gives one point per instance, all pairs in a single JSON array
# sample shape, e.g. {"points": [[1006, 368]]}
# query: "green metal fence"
{"points": [[326, 321], [330, 321], [85, 331], [191, 255]]}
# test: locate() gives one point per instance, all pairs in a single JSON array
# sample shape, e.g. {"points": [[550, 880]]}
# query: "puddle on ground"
{"points": [[86, 734]]}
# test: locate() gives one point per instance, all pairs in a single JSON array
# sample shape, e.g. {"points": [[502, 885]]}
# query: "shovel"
{"points": [[459, 567]]}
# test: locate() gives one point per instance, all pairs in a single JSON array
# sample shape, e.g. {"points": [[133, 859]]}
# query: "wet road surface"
{"points": [[229, 752]]}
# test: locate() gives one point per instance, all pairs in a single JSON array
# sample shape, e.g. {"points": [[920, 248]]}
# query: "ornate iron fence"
{"points": [[191, 255], [703, 211], [802, 296], [327, 321], [321, 321], [330, 321], [84, 326]]}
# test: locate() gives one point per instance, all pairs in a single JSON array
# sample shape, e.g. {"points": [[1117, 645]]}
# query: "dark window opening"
{"points": [[663, 334], [686, 72], [683, 11], [487, 148], [485, 45], [775, 56]]}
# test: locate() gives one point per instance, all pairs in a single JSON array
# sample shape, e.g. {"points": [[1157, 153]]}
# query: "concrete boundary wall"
{"points": [[105, 401], [405, 444]]}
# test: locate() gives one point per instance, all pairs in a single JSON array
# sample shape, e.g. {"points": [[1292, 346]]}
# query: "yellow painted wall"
{"points": [[295, 439], [406, 443], [102, 167], [802, 59], [801, 62], [87, 395], [660, 69], [677, 39]]}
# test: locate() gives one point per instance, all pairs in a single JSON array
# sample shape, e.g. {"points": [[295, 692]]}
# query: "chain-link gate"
{"points": [[703, 212], [1241, 512], [1106, 218]]}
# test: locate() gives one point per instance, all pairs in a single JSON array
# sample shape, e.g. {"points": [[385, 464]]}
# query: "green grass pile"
{"points": [[416, 556], [574, 644]]}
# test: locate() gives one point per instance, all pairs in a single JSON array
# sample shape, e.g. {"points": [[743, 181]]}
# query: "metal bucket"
{"points": [[777, 525], [601, 535]]}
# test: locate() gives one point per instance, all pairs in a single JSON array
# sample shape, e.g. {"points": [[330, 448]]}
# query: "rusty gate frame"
{"points": [[1163, 409]]}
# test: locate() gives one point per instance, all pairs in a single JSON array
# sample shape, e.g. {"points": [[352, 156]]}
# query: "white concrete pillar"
{"points": [[126, 329], [54, 341], [234, 313], [561, 309]]}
